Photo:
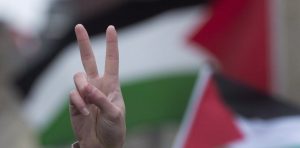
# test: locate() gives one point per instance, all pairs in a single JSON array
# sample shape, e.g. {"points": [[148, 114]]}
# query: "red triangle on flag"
{"points": [[213, 124]]}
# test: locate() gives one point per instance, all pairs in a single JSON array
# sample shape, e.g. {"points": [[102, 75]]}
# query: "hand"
{"points": [[96, 105]]}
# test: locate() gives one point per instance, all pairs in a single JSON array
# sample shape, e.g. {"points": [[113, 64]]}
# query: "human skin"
{"points": [[97, 107]]}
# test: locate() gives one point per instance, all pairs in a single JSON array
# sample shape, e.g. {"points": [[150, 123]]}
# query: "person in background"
{"points": [[15, 133]]}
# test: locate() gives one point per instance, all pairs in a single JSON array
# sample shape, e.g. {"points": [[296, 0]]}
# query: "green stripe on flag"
{"points": [[148, 103]]}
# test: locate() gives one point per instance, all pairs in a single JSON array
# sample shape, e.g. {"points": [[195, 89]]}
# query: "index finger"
{"points": [[86, 52]]}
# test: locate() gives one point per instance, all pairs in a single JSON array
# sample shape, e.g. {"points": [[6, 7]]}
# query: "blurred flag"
{"points": [[226, 113], [238, 35], [238, 112], [208, 123], [157, 66]]}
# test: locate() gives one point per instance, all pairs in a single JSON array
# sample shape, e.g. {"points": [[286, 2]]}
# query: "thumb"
{"points": [[96, 97]]}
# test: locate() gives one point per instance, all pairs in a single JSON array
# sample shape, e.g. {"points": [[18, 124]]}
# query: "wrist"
{"points": [[89, 143], [85, 144]]}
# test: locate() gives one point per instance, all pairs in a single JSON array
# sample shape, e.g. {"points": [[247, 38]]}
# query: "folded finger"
{"points": [[96, 97], [80, 80], [78, 103]]}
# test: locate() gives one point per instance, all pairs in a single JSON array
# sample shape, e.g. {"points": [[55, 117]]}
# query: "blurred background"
{"points": [[164, 45]]}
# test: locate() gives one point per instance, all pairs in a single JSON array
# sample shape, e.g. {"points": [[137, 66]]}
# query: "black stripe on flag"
{"points": [[251, 103]]}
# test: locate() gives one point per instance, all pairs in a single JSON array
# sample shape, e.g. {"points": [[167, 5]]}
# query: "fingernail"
{"points": [[85, 111], [78, 27], [111, 26]]}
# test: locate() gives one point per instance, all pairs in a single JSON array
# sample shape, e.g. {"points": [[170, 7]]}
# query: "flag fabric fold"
{"points": [[226, 113], [234, 107], [238, 35]]}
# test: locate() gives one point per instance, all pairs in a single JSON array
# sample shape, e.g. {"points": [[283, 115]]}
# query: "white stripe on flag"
{"points": [[283, 132]]}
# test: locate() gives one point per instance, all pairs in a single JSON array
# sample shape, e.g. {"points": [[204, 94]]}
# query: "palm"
{"points": [[104, 126]]}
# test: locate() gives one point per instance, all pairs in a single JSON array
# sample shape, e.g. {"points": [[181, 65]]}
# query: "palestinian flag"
{"points": [[233, 107], [226, 113], [243, 37]]}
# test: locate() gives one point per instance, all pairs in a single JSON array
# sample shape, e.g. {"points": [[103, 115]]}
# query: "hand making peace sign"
{"points": [[96, 105]]}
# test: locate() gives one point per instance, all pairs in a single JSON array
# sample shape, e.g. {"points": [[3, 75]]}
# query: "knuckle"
{"points": [[116, 116], [114, 59], [83, 39], [72, 98], [72, 94], [87, 56], [111, 41], [77, 75], [93, 74]]}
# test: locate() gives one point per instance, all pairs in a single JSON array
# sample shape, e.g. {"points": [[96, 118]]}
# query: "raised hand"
{"points": [[96, 105]]}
